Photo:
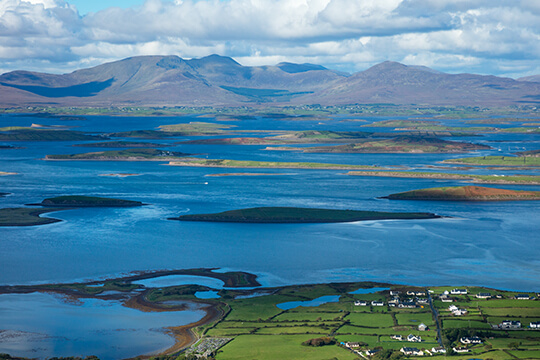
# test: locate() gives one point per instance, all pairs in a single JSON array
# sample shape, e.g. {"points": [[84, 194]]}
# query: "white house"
{"points": [[397, 337], [459, 292], [460, 349], [508, 324], [360, 303], [535, 325], [377, 303], [483, 296], [470, 340], [411, 351], [522, 297], [422, 327], [438, 350], [414, 338]]}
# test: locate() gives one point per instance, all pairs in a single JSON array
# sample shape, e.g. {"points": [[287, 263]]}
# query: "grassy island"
{"points": [[121, 144], [402, 144], [25, 217], [497, 161], [72, 201], [484, 179], [224, 163], [300, 215], [122, 155], [465, 193], [36, 134]]}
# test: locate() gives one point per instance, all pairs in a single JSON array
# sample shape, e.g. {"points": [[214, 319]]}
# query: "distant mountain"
{"points": [[216, 80], [392, 82], [533, 78]]}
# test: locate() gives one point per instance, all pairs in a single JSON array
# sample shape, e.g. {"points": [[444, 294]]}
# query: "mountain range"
{"points": [[221, 81]]}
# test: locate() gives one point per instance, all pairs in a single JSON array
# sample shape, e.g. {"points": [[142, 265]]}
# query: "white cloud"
{"points": [[351, 35]]}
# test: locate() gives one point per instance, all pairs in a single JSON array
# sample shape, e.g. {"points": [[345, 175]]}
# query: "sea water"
{"points": [[491, 244]]}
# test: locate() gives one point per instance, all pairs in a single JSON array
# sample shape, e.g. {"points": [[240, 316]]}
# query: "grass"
{"points": [[224, 163], [309, 316], [415, 319], [370, 320], [28, 134], [195, 128], [464, 324], [485, 179], [87, 201], [262, 347], [497, 161]]}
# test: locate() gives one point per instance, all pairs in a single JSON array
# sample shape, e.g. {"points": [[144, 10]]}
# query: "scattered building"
{"points": [[377, 303], [470, 340], [508, 324], [535, 325], [461, 349], [395, 292], [422, 327], [360, 303], [411, 351], [397, 337], [422, 300], [438, 350], [414, 338], [459, 292], [523, 297], [446, 298], [352, 345], [407, 304], [483, 296], [372, 352]]}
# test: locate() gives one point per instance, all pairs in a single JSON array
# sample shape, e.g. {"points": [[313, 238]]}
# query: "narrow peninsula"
{"points": [[293, 215], [465, 193]]}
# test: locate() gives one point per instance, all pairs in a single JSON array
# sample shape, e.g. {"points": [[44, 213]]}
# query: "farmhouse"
{"points": [[535, 325], [397, 337], [508, 324], [460, 349], [411, 351], [459, 292], [360, 303], [483, 296], [438, 350], [522, 297], [422, 327], [470, 340], [377, 303], [413, 338], [372, 352]]}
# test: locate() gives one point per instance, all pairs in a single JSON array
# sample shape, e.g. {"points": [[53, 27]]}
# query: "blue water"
{"points": [[176, 280], [490, 244], [40, 325], [368, 291], [310, 303], [207, 295]]}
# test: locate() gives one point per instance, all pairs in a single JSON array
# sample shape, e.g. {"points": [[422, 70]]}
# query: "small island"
{"points": [[73, 201], [521, 161], [465, 193], [122, 155], [293, 215], [226, 163], [121, 144], [402, 144], [18, 133]]}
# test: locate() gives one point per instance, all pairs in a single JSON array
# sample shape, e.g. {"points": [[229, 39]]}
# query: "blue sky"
{"points": [[498, 37], [86, 6]]}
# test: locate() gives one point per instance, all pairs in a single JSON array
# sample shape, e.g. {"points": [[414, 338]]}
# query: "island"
{"points": [[121, 144], [122, 155], [485, 179], [25, 217], [293, 215], [522, 161], [465, 193], [5, 173], [75, 201], [402, 144], [225, 163], [120, 175], [17, 133]]}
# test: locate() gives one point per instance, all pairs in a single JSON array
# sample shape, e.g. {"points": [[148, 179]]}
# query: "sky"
{"points": [[497, 37]]}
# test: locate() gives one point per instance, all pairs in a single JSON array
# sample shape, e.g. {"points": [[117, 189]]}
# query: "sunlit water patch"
{"points": [[40, 325]]}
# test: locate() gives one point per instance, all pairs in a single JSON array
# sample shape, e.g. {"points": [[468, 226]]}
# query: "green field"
{"points": [[25, 217], [274, 347]]}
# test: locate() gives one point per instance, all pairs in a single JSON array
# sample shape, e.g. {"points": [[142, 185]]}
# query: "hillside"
{"points": [[217, 80]]}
